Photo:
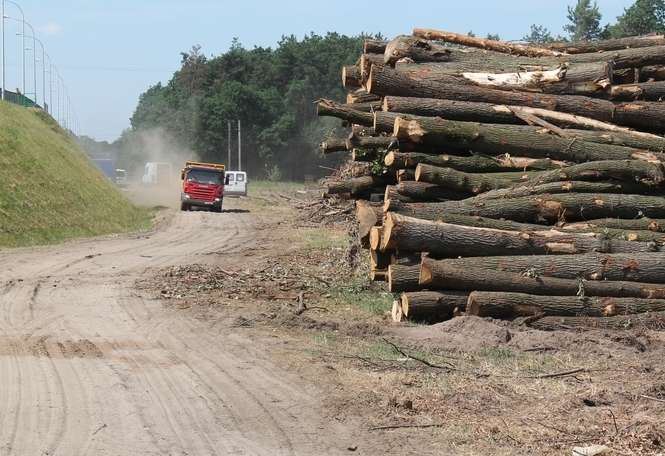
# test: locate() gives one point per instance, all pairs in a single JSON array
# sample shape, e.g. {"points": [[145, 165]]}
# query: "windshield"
{"points": [[205, 177]]}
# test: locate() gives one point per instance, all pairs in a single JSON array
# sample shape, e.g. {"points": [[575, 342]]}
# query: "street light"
{"points": [[22, 33], [34, 52]]}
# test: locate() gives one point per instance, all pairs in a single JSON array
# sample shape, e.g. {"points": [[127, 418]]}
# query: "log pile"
{"points": [[510, 181]]}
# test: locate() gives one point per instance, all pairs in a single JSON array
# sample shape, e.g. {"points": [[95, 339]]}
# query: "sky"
{"points": [[109, 52]]}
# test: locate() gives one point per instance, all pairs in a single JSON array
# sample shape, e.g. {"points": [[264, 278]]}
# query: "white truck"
{"points": [[236, 184]]}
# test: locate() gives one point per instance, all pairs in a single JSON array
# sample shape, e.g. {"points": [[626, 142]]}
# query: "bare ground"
{"points": [[191, 340]]}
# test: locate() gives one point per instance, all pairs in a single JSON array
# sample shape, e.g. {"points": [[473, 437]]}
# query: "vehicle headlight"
{"points": [[187, 196], [217, 200]]}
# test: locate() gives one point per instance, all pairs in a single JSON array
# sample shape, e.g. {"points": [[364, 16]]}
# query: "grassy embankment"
{"points": [[49, 190]]}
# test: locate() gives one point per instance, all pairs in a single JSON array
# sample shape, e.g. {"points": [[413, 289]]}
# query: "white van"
{"points": [[236, 183], [156, 173]]}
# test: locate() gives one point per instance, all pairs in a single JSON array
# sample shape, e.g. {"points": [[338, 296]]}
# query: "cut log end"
{"points": [[375, 237]]}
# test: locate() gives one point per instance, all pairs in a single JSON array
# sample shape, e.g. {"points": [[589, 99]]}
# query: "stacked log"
{"points": [[515, 182]]}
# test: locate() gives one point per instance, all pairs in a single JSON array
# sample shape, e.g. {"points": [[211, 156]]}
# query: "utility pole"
{"points": [[228, 140], [239, 147]]}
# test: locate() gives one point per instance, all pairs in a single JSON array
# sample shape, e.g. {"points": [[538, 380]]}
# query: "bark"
{"points": [[432, 306], [606, 133], [415, 49], [351, 77], [583, 47], [357, 185], [526, 189], [444, 277], [374, 46], [645, 267], [493, 45], [362, 130], [392, 194], [549, 208], [344, 112], [507, 305], [331, 145], [361, 96], [406, 175], [372, 142], [651, 320], [637, 171], [367, 61], [642, 223], [528, 141], [649, 116], [368, 215], [422, 191], [403, 278], [654, 90], [459, 181], [475, 163], [449, 241]]}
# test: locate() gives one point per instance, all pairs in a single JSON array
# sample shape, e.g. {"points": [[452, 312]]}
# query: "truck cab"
{"points": [[202, 186]]}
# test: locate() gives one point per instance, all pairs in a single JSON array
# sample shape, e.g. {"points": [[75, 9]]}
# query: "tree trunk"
{"points": [[643, 223], [636, 171], [392, 194], [475, 163], [378, 275], [445, 277], [406, 175], [367, 61], [379, 260], [372, 142], [468, 111], [423, 192], [415, 49], [403, 278], [368, 215], [356, 185], [507, 305], [374, 46], [519, 140], [493, 45], [459, 181], [645, 267], [584, 47], [447, 240], [654, 91], [331, 145], [344, 112], [432, 306], [375, 234], [522, 190], [351, 77], [361, 96], [651, 320], [549, 208], [649, 116]]}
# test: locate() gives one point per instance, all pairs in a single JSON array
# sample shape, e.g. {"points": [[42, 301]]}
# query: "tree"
{"points": [[538, 34], [584, 21], [493, 37], [641, 18]]}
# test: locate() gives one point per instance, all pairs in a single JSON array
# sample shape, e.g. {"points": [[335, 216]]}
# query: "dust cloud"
{"points": [[156, 145]]}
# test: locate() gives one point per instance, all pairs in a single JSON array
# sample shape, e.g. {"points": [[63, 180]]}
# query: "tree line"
{"points": [[271, 90]]}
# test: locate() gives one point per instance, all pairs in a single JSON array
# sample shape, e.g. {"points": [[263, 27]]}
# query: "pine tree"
{"points": [[538, 34], [584, 21]]}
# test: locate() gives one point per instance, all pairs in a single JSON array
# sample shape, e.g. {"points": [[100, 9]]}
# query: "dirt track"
{"points": [[88, 366]]}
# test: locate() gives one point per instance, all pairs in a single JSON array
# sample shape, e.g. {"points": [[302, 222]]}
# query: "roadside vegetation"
{"points": [[49, 190]]}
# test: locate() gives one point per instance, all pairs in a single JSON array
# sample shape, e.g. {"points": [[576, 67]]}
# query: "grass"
{"points": [[49, 190], [356, 293], [323, 238], [262, 187]]}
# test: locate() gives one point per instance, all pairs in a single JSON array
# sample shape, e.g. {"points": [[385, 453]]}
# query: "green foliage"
{"points": [[584, 21], [493, 37], [538, 34], [641, 18], [270, 90]]}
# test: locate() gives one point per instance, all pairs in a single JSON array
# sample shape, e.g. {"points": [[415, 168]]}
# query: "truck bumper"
{"points": [[200, 203]]}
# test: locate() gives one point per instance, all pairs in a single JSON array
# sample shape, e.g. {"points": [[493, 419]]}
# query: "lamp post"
{"points": [[22, 33]]}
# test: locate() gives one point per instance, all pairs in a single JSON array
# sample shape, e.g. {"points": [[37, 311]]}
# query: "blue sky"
{"points": [[109, 52]]}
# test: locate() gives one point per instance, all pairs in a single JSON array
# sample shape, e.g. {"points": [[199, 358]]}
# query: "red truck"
{"points": [[202, 186]]}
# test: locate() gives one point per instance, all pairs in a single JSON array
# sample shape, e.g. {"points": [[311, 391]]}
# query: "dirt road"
{"points": [[90, 367]]}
